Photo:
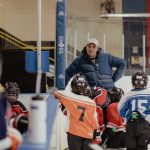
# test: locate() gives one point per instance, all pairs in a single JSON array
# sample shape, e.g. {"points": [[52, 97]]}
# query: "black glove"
{"points": [[22, 123], [62, 107], [107, 134], [95, 92], [97, 133], [97, 136]]}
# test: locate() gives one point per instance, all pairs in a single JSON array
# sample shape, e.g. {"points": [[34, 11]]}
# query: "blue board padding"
{"points": [[60, 43], [31, 61]]}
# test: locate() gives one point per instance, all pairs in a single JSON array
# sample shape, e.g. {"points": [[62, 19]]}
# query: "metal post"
{"points": [[144, 58], [88, 35], [123, 46], [66, 47], [104, 42], [39, 72], [75, 44]]}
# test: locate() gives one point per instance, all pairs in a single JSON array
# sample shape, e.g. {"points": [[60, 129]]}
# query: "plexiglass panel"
{"points": [[121, 31]]}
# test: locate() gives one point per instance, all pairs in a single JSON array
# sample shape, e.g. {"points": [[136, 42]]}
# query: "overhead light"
{"points": [[125, 15]]}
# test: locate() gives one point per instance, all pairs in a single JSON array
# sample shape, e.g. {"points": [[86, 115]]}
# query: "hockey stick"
{"points": [[95, 146], [104, 144]]}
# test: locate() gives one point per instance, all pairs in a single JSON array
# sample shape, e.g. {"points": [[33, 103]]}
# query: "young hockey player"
{"points": [[10, 138], [82, 112], [113, 135], [135, 108], [19, 118]]}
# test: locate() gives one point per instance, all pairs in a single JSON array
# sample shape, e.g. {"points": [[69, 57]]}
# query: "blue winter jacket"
{"points": [[99, 73]]}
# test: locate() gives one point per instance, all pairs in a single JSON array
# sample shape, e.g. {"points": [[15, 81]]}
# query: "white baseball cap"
{"points": [[92, 40]]}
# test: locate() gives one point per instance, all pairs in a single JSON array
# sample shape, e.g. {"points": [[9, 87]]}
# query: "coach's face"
{"points": [[91, 49]]}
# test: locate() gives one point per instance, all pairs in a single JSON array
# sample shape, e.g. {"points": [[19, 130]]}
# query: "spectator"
{"points": [[135, 108], [96, 66]]}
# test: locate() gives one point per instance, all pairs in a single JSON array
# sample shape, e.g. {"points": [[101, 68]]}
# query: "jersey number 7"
{"points": [[81, 118]]}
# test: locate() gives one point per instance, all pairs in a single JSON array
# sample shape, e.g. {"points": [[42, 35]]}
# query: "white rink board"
{"points": [[125, 83]]}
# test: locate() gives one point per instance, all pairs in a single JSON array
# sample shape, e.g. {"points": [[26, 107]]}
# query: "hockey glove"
{"points": [[97, 136], [20, 123], [63, 109], [95, 92], [107, 134]]}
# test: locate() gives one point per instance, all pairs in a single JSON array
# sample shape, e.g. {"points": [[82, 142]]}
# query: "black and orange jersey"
{"points": [[18, 108], [101, 98], [100, 117], [114, 119]]}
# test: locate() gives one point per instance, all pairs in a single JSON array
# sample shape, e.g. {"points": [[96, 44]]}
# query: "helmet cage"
{"points": [[80, 85], [115, 94], [12, 89], [139, 80]]}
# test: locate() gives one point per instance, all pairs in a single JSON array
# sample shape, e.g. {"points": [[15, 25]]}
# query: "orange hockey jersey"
{"points": [[83, 116]]}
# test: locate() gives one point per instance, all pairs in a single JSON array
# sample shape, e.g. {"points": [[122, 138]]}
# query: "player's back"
{"points": [[138, 100], [82, 113]]}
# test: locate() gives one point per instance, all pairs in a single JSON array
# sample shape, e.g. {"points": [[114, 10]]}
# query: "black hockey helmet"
{"points": [[115, 94], [139, 80], [12, 88], [80, 86]]}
